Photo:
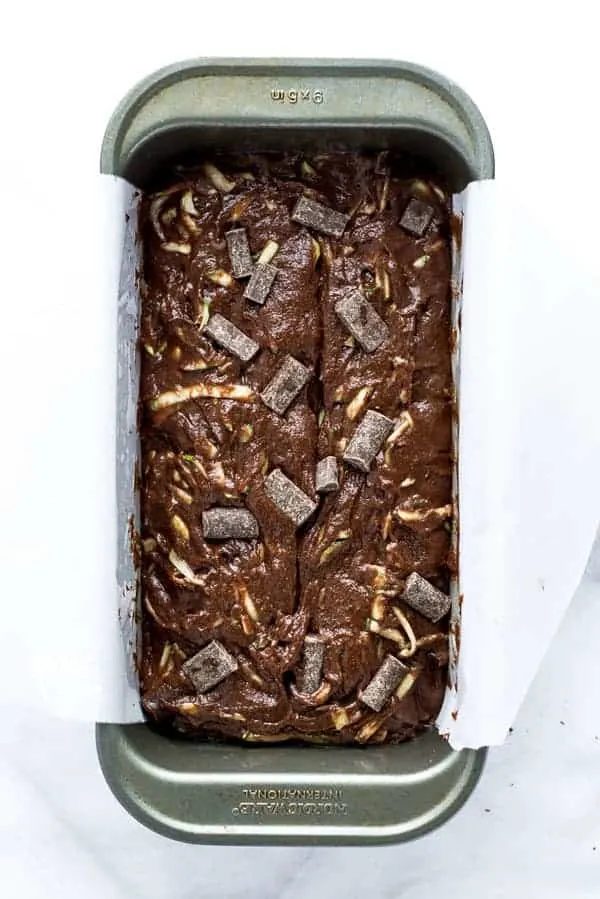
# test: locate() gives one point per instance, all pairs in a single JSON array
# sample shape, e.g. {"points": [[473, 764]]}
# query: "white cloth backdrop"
{"points": [[533, 826]]}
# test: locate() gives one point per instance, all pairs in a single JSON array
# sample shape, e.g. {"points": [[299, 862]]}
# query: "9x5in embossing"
{"points": [[306, 95]]}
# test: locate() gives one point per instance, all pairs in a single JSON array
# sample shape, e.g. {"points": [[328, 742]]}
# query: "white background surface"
{"points": [[534, 71]]}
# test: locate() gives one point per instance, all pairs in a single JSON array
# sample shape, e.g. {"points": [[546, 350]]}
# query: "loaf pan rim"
{"points": [[450, 91]]}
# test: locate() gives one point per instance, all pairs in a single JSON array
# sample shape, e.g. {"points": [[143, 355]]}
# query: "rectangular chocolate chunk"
{"points": [[416, 217], [315, 215], [423, 597], [288, 498], [209, 667], [285, 386], [313, 657], [361, 319], [326, 479], [386, 680], [229, 524], [367, 440], [239, 252], [227, 335], [260, 283]]}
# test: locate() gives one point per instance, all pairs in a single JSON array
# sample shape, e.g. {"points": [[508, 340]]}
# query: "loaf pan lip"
{"points": [[122, 766], [115, 748], [482, 162]]}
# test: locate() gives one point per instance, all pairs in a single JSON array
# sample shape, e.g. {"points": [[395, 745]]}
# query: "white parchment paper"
{"points": [[528, 453], [528, 445], [64, 621]]}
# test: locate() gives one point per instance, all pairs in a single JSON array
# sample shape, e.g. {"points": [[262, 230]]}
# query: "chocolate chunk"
{"points": [[260, 283], [416, 217], [239, 252], [313, 656], [288, 498], [285, 386], [209, 666], [423, 597], [322, 218], [380, 688], [326, 479], [361, 319], [227, 335], [367, 440], [229, 524]]}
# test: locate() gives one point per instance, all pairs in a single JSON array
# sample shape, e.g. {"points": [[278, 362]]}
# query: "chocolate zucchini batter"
{"points": [[296, 320]]}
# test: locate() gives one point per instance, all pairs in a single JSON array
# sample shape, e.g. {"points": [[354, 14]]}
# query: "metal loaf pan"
{"points": [[207, 792]]}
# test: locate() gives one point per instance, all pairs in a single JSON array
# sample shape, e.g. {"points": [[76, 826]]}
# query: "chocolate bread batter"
{"points": [[296, 410]]}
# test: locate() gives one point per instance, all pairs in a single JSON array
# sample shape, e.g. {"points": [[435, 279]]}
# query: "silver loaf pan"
{"points": [[218, 793]]}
